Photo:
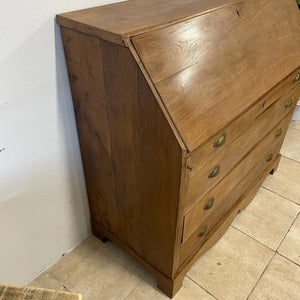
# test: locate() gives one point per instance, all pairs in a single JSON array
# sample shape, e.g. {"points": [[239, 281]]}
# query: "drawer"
{"points": [[228, 218], [201, 177], [235, 128], [201, 218]]}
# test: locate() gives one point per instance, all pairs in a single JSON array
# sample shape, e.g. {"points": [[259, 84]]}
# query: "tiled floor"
{"points": [[257, 258]]}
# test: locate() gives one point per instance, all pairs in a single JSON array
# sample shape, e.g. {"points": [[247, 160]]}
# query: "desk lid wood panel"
{"points": [[213, 67]]}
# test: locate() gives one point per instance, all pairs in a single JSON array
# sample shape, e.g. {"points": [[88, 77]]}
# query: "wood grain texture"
{"points": [[221, 193], [229, 48], [240, 124], [160, 179], [154, 85], [84, 62], [15, 292], [224, 222], [250, 196], [232, 154], [120, 73], [146, 160], [117, 22], [270, 145]]}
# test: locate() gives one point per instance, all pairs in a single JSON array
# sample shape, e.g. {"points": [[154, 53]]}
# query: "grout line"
{"points": [[275, 252], [253, 238], [47, 269], [60, 282], [281, 241], [280, 195], [261, 275], [290, 127], [288, 259], [294, 160], [294, 128], [132, 290], [142, 279], [129, 293], [201, 287]]}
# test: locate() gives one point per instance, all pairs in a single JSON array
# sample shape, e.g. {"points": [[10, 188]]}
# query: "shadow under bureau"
{"points": [[181, 109]]}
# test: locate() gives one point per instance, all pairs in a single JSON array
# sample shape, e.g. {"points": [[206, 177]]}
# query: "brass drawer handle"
{"points": [[289, 103], [214, 172], [209, 204], [297, 77], [202, 231], [220, 141], [278, 133], [270, 157]]}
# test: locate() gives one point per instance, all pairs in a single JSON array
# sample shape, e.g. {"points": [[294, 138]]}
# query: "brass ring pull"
{"points": [[278, 133], [214, 172], [220, 141], [297, 77], [209, 204], [289, 103], [269, 158], [202, 231]]}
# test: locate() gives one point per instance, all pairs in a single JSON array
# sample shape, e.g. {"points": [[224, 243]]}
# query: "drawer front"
{"points": [[201, 218], [235, 128], [227, 219], [202, 178]]}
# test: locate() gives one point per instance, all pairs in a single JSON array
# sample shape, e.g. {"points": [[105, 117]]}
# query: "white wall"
{"points": [[43, 202]]}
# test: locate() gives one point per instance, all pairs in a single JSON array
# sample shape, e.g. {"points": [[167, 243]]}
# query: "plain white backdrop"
{"points": [[43, 203]]}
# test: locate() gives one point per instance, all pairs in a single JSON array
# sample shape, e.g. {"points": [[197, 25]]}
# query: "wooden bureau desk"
{"points": [[181, 108]]}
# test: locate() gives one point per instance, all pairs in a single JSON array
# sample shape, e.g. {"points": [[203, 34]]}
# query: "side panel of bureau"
{"points": [[146, 159], [132, 160], [161, 171], [84, 62]]}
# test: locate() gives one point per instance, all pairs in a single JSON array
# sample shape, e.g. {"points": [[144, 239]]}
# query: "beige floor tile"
{"points": [[290, 246], [147, 289], [281, 281], [260, 222], [295, 125], [286, 180], [99, 272], [231, 268], [291, 145], [48, 281]]}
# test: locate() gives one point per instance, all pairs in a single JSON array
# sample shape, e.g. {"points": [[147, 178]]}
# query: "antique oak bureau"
{"points": [[181, 109]]}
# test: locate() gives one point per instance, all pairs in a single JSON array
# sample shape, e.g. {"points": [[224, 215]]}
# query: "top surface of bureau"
{"points": [[124, 19], [207, 61]]}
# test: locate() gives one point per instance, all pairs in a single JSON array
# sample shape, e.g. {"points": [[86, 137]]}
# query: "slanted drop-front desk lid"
{"points": [[209, 69]]}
